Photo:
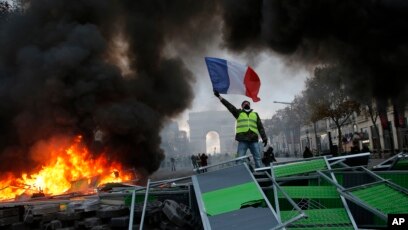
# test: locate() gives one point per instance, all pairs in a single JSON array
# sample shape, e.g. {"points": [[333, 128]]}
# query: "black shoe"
{"points": [[251, 168]]}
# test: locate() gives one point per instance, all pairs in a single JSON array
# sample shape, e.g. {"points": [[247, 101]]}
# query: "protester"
{"points": [[198, 159], [307, 153], [248, 129], [173, 164], [354, 149], [268, 156], [203, 159], [365, 149], [194, 161]]}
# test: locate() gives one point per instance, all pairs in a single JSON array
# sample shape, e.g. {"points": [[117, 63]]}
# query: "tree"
{"points": [[369, 108], [303, 111], [4, 7], [7, 9], [286, 121], [327, 97], [279, 124], [15, 6]]}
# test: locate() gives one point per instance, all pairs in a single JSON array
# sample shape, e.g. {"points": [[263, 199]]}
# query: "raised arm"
{"points": [[228, 105]]}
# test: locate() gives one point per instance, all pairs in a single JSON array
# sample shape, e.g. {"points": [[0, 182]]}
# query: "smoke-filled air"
{"points": [[368, 39], [71, 68]]}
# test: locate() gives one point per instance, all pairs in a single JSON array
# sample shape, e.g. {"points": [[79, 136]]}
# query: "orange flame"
{"points": [[73, 163]]}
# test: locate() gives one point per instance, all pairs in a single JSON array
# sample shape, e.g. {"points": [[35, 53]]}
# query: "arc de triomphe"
{"points": [[202, 123]]}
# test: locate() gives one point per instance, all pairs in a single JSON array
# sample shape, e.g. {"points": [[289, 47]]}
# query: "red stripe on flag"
{"points": [[252, 84]]}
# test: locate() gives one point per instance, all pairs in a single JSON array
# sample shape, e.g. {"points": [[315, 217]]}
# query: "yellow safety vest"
{"points": [[247, 122]]}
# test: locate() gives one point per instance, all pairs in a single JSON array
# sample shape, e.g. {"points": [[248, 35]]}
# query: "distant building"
{"points": [[358, 131], [221, 122], [174, 141], [285, 143]]}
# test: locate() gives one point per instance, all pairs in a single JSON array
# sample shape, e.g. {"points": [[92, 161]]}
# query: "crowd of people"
{"points": [[184, 161], [268, 156], [203, 159], [199, 160], [307, 153]]}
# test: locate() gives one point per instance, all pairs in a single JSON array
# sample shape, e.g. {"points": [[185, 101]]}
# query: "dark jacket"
{"points": [[268, 156], [307, 153], [203, 158], [250, 135]]}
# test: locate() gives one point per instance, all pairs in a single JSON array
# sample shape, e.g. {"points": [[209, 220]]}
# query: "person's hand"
{"points": [[265, 142], [216, 93]]}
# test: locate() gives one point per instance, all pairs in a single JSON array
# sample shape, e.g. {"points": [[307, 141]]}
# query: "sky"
{"points": [[79, 85], [280, 81], [153, 36]]}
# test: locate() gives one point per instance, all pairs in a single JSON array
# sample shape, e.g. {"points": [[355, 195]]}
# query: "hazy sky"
{"points": [[279, 82]]}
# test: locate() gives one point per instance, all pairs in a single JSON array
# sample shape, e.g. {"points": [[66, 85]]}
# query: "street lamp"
{"points": [[291, 133], [307, 136], [285, 103]]}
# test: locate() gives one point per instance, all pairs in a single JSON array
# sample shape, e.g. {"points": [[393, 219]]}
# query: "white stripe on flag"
{"points": [[236, 74]]}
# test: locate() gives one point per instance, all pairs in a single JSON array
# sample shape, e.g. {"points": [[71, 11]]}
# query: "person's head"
{"points": [[246, 105]]}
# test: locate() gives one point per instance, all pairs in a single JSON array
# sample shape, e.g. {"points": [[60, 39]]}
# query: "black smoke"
{"points": [[58, 75], [367, 38]]}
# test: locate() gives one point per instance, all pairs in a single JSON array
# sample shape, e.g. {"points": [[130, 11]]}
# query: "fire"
{"points": [[65, 166]]}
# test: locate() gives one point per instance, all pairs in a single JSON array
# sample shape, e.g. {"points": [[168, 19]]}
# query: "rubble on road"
{"points": [[167, 208], [326, 190]]}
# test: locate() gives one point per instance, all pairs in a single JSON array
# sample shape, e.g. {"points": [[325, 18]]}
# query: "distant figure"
{"points": [[98, 134], [307, 153], [203, 159], [173, 164], [365, 149], [194, 161], [198, 159], [355, 149], [268, 156], [97, 145]]}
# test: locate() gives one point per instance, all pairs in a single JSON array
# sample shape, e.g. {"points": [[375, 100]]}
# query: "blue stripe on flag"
{"points": [[218, 70]]}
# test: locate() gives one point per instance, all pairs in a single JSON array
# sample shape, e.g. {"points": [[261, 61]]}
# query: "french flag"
{"points": [[233, 78]]}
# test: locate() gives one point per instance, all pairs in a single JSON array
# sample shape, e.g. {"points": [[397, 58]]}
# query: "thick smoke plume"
{"points": [[367, 38], [59, 75], [71, 67]]}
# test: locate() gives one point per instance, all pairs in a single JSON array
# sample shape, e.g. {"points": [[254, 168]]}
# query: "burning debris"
{"points": [[66, 69], [69, 70], [65, 169]]}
